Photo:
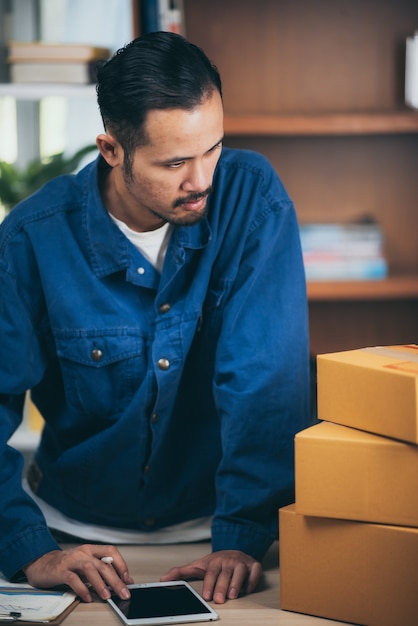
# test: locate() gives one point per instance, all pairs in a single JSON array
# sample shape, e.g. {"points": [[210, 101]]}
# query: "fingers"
{"points": [[225, 574], [254, 577], [186, 572], [101, 575], [224, 580], [228, 581], [82, 569], [74, 581], [109, 555]]}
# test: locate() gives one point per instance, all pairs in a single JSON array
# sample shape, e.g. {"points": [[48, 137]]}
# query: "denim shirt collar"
{"points": [[109, 250]]}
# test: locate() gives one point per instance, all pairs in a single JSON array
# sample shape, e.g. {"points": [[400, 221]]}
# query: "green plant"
{"points": [[15, 185]]}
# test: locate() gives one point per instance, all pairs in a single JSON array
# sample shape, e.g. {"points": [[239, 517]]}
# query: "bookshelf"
{"points": [[37, 91], [318, 87], [393, 287], [321, 124]]}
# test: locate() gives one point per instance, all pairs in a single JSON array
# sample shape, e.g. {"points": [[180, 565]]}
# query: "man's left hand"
{"points": [[225, 574]]}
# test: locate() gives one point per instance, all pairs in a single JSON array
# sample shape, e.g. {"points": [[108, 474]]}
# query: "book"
{"points": [[345, 269], [49, 72], [349, 239], [24, 604], [343, 251], [36, 51]]}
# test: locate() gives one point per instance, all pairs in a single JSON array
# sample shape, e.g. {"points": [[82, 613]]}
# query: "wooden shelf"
{"points": [[392, 288], [37, 91], [322, 124]]}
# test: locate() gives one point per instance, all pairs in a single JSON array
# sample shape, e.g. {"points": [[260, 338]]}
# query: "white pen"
{"points": [[107, 559]]}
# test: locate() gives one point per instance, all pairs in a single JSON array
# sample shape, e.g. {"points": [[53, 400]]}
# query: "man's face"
{"points": [[171, 175]]}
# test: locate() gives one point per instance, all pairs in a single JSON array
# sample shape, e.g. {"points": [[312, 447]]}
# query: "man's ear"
{"points": [[110, 149]]}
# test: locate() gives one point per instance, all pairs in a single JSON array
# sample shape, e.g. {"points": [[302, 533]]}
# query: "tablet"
{"points": [[173, 602]]}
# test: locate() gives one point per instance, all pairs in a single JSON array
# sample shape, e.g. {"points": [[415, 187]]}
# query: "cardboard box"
{"points": [[373, 389], [347, 473], [350, 571]]}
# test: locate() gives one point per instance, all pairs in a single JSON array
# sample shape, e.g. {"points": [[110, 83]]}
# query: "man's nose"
{"points": [[198, 178]]}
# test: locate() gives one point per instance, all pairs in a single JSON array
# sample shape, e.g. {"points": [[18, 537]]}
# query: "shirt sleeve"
{"points": [[261, 386], [24, 535]]}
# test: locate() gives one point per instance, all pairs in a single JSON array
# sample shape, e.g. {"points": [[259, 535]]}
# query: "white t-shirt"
{"points": [[151, 243]]}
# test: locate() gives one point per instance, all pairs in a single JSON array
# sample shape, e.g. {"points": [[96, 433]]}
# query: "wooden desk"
{"points": [[148, 563]]}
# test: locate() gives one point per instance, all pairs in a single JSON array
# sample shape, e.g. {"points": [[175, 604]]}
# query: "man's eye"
{"points": [[218, 145], [175, 165]]}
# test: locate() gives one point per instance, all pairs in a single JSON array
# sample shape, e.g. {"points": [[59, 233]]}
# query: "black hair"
{"points": [[160, 70]]}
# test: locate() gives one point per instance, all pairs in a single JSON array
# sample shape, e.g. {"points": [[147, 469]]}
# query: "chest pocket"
{"points": [[102, 370]]}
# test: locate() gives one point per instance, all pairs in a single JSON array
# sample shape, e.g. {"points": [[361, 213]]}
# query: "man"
{"points": [[155, 306]]}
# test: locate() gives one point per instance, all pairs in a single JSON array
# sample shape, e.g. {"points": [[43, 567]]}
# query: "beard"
{"points": [[193, 197], [190, 219], [193, 217]]}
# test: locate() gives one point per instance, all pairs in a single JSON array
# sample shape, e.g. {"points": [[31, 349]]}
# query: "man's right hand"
{"points": [[80, 568]]}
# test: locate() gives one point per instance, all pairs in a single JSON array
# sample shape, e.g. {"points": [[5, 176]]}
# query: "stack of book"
{"points": [[343, 251], [41, 62], [349, 544]]}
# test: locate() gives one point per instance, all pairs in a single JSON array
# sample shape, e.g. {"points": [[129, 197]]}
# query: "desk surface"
{"points": [[148, 563]]}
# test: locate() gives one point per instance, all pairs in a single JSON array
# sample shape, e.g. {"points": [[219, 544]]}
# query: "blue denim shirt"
{"points": [[165, 398]]}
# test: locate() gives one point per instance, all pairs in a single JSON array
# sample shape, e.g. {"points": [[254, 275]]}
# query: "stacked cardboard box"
{"points": [[349, 545]]}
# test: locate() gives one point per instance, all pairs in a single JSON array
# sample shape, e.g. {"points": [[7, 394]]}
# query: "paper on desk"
{"points": [[34, 605]]}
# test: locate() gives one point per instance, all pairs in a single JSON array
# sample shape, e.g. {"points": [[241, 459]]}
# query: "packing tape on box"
{"points": [[409, 354]]}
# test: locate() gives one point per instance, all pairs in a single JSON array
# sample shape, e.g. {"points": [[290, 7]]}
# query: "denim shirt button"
{"points": [[163, 364], [140, 270], [154, 418], [96, 354], [164, 308]]}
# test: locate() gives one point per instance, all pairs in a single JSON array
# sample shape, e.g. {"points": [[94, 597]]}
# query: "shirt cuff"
{"points": [[248, 539], [28, 546]]}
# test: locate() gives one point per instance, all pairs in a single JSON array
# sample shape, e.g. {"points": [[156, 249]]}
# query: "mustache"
{"points": [[193, 197]]}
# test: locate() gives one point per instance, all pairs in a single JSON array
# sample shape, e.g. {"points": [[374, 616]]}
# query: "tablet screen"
{"points": [[161, 603]]}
